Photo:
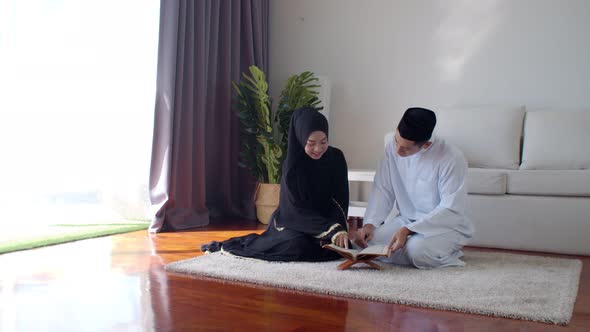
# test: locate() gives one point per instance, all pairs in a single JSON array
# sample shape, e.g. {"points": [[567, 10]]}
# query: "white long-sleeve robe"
{"points": [[427, 188]]}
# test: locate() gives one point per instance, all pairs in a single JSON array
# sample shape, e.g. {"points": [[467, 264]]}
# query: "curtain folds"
{"points": [[203, 46]]}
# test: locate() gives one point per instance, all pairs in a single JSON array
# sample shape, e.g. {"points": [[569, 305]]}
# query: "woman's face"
{"points": [[317, 144]]}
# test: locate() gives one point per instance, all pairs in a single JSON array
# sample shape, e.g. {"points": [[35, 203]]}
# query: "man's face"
{"points": [[404, 147]]}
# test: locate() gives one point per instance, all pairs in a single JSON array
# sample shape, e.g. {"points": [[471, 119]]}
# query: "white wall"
{"points": [[382, 56]]}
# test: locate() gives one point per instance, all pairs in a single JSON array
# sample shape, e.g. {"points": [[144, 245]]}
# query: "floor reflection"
{"points": [[72, 287]]}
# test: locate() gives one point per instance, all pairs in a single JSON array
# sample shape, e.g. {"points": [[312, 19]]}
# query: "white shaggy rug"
{"points": [[498, 284]]}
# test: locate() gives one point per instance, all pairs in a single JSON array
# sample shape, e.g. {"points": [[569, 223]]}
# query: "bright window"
{"points": [[77, 92]]}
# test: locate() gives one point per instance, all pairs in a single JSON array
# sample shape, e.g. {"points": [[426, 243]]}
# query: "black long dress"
{"points": [[313, 202]]}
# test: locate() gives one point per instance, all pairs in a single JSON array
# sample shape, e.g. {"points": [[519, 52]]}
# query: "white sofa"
{"points": [[528, 179]]}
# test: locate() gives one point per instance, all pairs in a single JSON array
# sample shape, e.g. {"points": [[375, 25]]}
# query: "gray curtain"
{"points": [[204, 45]]}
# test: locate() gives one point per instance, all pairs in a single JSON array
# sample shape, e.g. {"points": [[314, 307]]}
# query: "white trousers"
{"points": [[435, 251]]}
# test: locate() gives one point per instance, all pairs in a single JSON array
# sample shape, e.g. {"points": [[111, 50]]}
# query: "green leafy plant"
{"points": [[264, 131]]}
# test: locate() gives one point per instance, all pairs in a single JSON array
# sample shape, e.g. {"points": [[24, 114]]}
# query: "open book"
{"points": [[354, 256]]}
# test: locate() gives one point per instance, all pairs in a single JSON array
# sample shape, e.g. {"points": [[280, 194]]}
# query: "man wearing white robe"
{"points": [[424, 179]]}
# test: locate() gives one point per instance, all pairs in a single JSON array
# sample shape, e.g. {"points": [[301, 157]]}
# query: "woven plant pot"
{"points": [[266, 200]]}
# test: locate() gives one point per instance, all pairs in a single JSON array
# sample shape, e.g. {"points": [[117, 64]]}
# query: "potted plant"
{"points": [[264, 131]]}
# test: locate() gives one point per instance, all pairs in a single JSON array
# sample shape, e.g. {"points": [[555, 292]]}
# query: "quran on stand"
{"points": [[356, 256]]}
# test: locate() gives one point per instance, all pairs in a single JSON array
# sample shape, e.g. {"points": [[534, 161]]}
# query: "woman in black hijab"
{"points": [[313, 202]]}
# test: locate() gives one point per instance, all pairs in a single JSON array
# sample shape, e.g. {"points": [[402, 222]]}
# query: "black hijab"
{"points": [[309, 187], [304, 121]]}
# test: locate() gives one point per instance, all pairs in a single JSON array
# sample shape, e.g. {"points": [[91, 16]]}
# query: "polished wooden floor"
{"points": [[118, 283]]}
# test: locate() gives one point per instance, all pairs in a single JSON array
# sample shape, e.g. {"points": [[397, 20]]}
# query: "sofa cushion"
{"points": [[486, 181], [549, 182], [488, 136], [556, 140]]}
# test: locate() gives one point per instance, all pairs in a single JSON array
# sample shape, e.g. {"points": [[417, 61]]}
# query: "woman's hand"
{"points": [[341, 240]]}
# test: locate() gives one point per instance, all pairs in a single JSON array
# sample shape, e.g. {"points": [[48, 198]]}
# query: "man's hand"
{"points": [[365, 235], [398, 240], [341, 240]]}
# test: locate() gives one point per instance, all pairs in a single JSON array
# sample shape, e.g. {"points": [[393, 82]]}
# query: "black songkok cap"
{"points": [[417, 124]]}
